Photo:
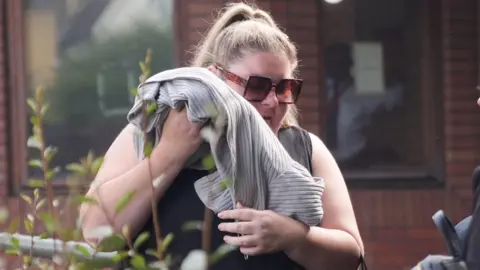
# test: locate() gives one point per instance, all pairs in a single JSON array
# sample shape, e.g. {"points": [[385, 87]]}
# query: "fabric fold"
{"points": [[252, 166]]}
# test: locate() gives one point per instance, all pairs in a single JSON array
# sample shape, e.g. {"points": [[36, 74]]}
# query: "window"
{"points": [[383, 88], [85, 53]]}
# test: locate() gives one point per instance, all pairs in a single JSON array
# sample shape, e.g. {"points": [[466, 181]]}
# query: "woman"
{"points": [[246, 49]]}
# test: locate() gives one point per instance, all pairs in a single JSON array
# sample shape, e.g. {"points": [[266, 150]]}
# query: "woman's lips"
{"points": [[267, 119]]}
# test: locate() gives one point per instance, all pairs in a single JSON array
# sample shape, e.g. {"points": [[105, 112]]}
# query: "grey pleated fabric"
{"points": [[244, 149]]}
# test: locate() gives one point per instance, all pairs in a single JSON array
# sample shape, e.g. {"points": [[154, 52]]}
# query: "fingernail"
{"points": [[220, 215]]}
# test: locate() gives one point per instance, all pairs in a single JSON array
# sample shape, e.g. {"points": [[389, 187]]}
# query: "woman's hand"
{"points": [[261, 231], [180, 137]]}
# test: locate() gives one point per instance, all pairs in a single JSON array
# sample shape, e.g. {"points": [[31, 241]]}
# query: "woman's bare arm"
{"points": [[122, 172], [337, 243]]}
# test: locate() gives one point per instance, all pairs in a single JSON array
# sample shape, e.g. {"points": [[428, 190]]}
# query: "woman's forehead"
{"points": [[275, 66]]}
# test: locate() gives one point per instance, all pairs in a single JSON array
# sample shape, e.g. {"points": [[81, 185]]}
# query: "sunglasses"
{"points": [[257, 88]]}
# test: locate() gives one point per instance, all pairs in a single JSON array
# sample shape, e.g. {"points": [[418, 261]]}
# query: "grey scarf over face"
{"points": [[244, 148]]}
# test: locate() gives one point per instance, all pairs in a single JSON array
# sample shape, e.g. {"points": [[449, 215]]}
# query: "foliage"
{"points": [[44, 210]]}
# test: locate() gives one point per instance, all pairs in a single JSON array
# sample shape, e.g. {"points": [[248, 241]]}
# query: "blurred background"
{"points": [[405, 132]]}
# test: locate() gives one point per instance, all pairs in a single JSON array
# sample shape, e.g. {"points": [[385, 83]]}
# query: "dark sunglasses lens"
{"points": [[288, 90], [257, 88]]}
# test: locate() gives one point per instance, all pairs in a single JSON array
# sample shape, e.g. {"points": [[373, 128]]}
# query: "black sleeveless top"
{"points": [[181, 204]]}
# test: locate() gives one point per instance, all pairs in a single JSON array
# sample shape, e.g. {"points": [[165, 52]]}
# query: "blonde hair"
{"points": [[239, 29]]}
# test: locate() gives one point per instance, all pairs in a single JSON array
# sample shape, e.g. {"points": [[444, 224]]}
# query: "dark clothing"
{"points": [[181, 204]]}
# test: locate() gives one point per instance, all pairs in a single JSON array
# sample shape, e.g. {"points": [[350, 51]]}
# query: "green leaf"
{"points": [[44, 109], [126, 231], [27, 260], [124, 202], [151, 108], [148, 148], [82, 250], [14, 224], [36, 163], [12, 251], [134, 91], [36, 183], [221, 252], [36, 193], [141, 239], [168, 259], [167, 241], [67, 234], [50, 153], [138, 262], [208, 162], [34, 142], [143, 67], [28, 225], [89, 158], [101, 264], [34, 120], [43, 235], [3, 214], [48, 221], [76, 168], [15, 242], [40, 204], [49, 175], [120, 256], [96, 164], [32, 104], [226, 183], [84, 199], [151, 252], [26, 198], [39, 94], [192, 225], [111, 243]]}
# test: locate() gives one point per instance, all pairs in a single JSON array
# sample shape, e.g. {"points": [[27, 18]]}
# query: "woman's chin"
{"points": [[275, 128]]}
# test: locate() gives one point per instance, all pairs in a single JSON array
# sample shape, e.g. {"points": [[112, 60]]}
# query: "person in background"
{"points": [[254, 57], [350, 113]]}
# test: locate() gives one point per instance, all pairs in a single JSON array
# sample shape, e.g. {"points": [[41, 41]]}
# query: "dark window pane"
{"points": [[373, 87]]}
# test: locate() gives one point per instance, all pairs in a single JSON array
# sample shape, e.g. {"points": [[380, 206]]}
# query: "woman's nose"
{"points": [[271, 100]]}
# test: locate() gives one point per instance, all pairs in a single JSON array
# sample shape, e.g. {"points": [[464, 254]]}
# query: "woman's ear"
{"points": [[214, 70]]}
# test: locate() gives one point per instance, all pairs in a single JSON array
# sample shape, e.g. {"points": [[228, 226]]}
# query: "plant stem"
{"points": [[207, 232], [156, 224], [158, 239], [34, 214], [45, 167], [153, 200]]}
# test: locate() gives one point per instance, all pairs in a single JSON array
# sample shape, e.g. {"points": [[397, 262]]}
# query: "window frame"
{"points": [[17, 130], [432, 173]]}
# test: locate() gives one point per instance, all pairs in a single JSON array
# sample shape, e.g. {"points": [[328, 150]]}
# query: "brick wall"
{"points": [[3, 109], [396, 225]]}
